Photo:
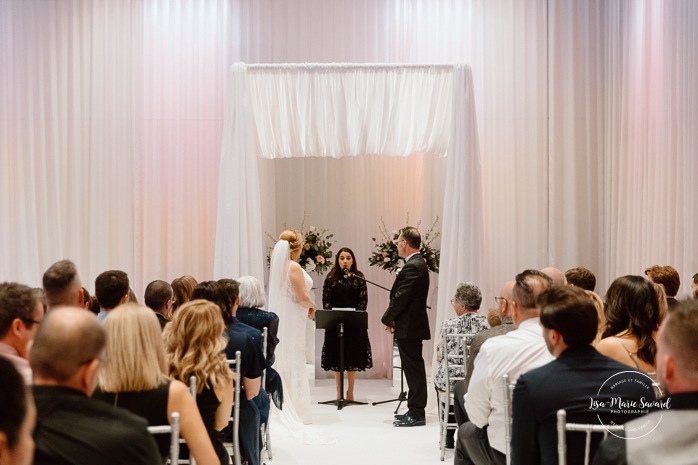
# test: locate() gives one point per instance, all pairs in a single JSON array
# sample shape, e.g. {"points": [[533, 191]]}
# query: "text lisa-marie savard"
{"points": [[620, 403]]}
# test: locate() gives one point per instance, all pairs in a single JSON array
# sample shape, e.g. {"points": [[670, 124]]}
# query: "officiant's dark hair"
{"points": [[336, 273], [411, 236]]}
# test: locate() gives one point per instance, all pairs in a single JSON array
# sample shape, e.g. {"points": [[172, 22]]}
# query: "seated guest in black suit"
{"points": [[675, 438], [72, 428], [571, 382], [159, 297], [17, 417]]}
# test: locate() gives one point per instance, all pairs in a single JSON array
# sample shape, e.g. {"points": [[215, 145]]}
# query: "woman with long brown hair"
{"points": [[345, 288], [632, 319]]}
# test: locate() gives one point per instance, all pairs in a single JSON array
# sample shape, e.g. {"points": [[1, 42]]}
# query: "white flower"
{"points": [[310, 266], [312, 228], [386, 259]]}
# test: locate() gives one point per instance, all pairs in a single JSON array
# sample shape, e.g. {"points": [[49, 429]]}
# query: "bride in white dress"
{"points": [[289, 296]]}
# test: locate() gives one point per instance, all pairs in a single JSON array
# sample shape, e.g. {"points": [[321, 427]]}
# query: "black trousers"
{"points": [[415, 375]]}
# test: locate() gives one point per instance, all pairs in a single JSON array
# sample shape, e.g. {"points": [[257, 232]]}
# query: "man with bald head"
{"points": [[556, 275], [62, 285], [71, 428]]}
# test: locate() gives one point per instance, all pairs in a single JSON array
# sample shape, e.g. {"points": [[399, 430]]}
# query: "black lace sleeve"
{"points": [[363, 296], [326, 294]]}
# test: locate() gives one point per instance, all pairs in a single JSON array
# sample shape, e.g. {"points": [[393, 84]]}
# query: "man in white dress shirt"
{"points": [[481, 439]]}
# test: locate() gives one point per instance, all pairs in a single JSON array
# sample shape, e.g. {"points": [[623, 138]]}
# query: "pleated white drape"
{"points": [[351, 110]]}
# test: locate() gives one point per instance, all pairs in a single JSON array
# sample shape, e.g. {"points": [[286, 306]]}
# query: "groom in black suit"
{"points": [[407, 318]]}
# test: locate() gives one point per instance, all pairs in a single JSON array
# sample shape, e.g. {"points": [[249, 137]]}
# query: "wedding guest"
{"points": [[254, 402], [20, 315], [494, 317], [482, 439], [466, 303], [569, 322], [598, 304], [111, 289], [182, 288], [581, 277], [71, 427], [675, 440], [194, 344], [62, 285], [632, 319], [505, 300], [251, 312], [159, 297], [87, 300], [694, 286], [669, 278], [661, 302], [344, 288], [556, 275], [17, 417], [134, 378]]}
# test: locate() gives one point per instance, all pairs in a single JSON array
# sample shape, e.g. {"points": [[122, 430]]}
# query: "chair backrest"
{"points": [[563, 427], [508, 393], [265, 337], [457, 360], [173, 429], [235, 365]]}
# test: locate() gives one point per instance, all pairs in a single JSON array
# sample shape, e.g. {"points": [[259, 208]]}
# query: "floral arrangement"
{"points": [[316, 253], [386, 256]]}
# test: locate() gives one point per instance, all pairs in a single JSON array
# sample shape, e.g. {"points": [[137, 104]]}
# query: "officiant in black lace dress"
{"points": [[344, 288]]}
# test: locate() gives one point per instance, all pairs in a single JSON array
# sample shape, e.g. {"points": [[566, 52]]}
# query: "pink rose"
{"points": [[307, 246], [320, 259]]}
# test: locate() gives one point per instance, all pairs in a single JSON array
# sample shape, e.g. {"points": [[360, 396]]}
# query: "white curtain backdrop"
{"points": [[340, 110], [111, 117]]}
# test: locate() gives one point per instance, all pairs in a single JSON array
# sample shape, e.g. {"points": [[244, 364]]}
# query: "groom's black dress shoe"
{"points": [[408, 420], [400, 416]]}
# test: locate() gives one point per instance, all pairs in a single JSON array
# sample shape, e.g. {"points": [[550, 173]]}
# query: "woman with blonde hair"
{"points": [[289, 296], [194, 346], [133, 377]]}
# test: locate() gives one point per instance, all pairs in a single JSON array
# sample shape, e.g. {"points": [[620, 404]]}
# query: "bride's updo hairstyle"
{"points": [[295, 242]]}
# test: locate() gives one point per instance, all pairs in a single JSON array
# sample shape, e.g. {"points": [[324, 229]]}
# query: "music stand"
{"points": [[341, 320]]}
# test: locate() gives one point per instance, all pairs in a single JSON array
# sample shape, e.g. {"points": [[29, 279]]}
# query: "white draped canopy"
{"points": [[340, 110]]}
